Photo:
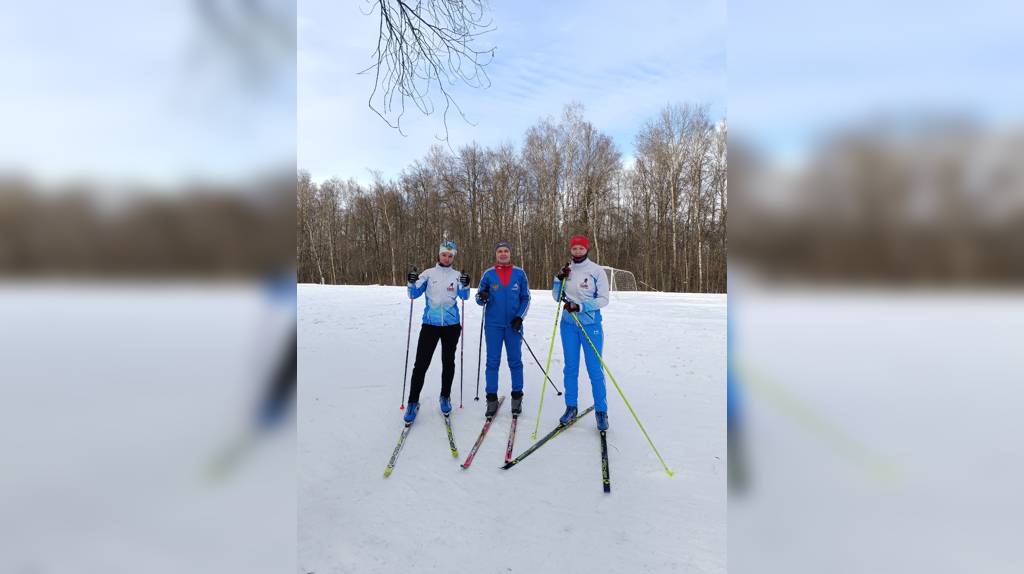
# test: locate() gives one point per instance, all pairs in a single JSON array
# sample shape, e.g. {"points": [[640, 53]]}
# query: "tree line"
{"points": [[201, 230], [663, 218], [903, 201]]}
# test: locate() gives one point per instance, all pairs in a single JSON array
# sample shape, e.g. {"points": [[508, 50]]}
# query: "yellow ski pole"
{"points": [[621, 394], [551, 348]]}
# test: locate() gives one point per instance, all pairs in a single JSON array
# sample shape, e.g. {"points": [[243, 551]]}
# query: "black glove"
{"points": [[464, 279], [483, 296], [563, 273], [517, 324], [413, 276], [571, 307]]}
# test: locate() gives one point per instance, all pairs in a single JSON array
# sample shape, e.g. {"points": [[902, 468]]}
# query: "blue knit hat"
{"points": [[447, 245], [503, 244]]}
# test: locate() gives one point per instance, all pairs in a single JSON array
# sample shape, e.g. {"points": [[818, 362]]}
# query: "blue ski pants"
{"points": [[513, 341], [572, 340]]}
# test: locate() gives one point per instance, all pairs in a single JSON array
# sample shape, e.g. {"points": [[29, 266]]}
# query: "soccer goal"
{"points": [[620, 279]]}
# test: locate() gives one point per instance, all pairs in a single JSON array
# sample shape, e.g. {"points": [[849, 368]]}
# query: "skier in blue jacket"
{"points": [[585, 293], [504, 292], [442, 286]]}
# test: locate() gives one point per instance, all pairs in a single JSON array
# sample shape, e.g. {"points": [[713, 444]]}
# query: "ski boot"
{"points": [[410, 412], [492, 405], [568, 416], [517, 402], [602, 420], [446, 404]]}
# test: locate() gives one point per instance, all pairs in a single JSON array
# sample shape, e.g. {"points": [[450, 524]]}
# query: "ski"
{"points": [[545, 439], [511, 439], [398, 448], [483, 432], [605, 475], [231, 457], [451, 437]]}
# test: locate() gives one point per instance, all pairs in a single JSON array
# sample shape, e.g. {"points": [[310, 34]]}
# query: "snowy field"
{"points": [[883, 428], [547, 514], [114, 398]]}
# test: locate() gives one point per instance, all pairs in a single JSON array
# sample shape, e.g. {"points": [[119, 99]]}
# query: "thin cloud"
{"points": [[624, 62]]}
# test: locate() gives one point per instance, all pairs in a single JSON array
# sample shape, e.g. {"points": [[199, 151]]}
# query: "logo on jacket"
{"points": [[515, 286], [451, 287], [585, 284]]}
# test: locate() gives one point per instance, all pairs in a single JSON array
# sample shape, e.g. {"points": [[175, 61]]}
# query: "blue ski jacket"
{"points": [[506, 300]]}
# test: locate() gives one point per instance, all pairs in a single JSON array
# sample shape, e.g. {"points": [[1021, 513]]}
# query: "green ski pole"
{"points": [[621, 394]]}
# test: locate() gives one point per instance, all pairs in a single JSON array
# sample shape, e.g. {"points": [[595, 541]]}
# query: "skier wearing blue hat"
{"points": [[442, 285], [505, 292]]}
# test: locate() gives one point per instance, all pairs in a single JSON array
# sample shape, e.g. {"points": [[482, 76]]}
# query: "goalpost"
{"points": [[620, 279]]}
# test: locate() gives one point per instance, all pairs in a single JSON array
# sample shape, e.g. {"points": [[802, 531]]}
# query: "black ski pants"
{"points": [[429, 336]]}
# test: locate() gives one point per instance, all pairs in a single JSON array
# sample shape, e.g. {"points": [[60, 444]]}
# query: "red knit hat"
{"points": [[579, 240]]}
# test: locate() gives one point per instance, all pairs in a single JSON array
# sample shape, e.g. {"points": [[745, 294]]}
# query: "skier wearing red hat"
{"points": [[585, 292]]}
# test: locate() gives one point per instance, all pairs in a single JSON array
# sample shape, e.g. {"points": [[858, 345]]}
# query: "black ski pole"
{"points": [[408, 339], [479, 352], [523, 338], [462, 350]]}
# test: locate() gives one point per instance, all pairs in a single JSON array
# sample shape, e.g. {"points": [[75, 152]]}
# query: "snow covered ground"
{"points": [[114, 399], [548, 514], [883, 430]]}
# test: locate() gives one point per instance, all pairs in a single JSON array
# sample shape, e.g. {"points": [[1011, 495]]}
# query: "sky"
{"points": [[121, 90], [799, 71], [117, 91], [623, 62]]}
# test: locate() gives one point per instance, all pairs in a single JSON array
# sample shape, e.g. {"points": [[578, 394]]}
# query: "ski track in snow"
{"points": [[546, 514]]}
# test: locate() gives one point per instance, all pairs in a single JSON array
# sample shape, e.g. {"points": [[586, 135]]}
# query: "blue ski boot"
{"points": [[446, 404], [602, 420], [410, 412], [568, 416]]}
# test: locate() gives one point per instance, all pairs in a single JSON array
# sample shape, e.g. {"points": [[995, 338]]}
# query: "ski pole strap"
{"points": [[623, 395]]}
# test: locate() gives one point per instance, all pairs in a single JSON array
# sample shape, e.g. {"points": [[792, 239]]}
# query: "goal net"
{"points": [[620, 279]]}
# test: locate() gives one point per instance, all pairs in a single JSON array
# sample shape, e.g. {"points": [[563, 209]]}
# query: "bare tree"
{"points": [[250, 41], [424, 49], [308, 219], [567, 177]]}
